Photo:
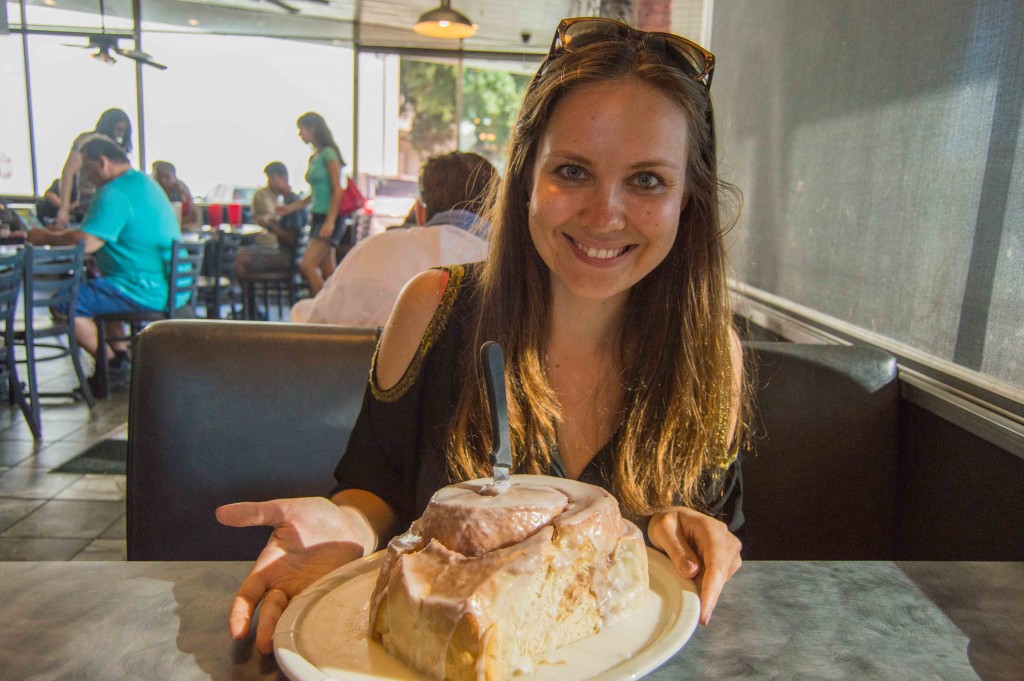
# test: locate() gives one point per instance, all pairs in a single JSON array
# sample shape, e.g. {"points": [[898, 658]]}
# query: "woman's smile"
{"points": [[604, 253]]}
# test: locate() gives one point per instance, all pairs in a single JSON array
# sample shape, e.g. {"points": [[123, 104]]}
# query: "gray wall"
{"points": [[875, 143]]}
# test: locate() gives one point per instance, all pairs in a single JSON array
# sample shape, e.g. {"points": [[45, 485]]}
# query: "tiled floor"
{"points": [[46, 515]]}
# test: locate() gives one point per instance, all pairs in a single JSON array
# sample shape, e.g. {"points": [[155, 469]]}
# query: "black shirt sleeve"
{"points": [[397, 447], [382, 452]]}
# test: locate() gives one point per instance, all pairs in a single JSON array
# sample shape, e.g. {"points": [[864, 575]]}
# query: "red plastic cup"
{"points": [[216, 216], [235, 214]]}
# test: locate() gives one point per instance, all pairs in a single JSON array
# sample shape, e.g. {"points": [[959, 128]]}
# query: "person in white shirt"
{"points": [[361, 292]]}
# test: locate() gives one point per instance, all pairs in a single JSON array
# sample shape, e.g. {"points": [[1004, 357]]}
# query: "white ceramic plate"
{"points": [[322, 634]]}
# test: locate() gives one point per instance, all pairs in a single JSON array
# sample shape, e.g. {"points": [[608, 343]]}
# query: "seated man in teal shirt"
{"points": [[130, 227]]}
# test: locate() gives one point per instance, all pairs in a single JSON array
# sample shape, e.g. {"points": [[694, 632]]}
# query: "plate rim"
{"points": [[656, 652]]}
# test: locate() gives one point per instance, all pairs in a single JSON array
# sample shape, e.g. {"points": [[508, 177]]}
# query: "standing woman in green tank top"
{"points": [[324, 177]]}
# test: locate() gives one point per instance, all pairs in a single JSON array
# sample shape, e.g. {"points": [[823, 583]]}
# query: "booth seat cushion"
{"points": [[234, 411]]}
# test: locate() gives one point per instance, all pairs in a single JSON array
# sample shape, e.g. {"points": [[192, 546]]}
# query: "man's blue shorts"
{"points": [[99, 296]]}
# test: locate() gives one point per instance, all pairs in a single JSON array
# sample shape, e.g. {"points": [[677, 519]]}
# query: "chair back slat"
{"points": [[12, 276], [227, 246], [186, 264], [12, 266], [301, 244], [53, 275]]}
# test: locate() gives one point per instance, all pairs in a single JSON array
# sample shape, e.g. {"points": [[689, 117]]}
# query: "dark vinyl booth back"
{"points": [[222, 412], [821, 480]]}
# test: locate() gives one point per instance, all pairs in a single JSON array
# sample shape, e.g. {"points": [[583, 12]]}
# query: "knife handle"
{"points": [[492, 359]]}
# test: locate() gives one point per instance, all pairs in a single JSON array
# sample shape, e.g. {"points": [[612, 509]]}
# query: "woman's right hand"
{"points": [[63, 217], [312, 536]]}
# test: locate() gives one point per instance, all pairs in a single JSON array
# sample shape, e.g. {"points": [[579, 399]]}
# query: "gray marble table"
{"points": [[775, 620]]}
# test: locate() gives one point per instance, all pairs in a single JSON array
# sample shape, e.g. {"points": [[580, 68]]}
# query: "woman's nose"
{"points": [[604, 210]]}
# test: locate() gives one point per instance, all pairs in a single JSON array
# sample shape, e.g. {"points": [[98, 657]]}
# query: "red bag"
{"points": [[351, 198]]}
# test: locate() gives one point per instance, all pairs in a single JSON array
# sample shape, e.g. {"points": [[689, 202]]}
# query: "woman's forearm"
{"points": [[67, 177], [332, 209]]}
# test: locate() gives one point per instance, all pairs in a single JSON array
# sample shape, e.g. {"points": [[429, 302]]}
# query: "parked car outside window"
{"points": [[388, 202], [229, 193]]}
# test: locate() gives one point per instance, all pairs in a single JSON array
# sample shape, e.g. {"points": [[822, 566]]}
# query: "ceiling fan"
{"points": [[104, 44], [291, 9]]}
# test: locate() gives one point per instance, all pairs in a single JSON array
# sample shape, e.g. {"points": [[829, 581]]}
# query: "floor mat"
{"points": [[106, 456]]}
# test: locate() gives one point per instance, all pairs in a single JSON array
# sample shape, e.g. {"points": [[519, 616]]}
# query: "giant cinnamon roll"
{"points": [[482, 586]]}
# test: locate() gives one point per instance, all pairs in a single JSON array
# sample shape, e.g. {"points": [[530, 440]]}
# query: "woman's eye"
{"points": [[648, 181], [571, 172]]}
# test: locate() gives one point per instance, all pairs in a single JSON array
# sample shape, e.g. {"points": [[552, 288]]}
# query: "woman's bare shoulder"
{"points": [[410, 318]]}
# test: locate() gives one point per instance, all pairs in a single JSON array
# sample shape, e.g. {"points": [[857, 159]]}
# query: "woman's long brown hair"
{"points": [[322, 137], [674, 342]]}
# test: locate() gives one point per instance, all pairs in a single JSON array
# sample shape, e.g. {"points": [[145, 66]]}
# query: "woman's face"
{"points": [[305, 134], [120, 131], [608, 187]]}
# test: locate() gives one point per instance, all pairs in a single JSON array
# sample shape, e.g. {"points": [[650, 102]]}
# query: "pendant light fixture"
{"points": [[444, 22]]}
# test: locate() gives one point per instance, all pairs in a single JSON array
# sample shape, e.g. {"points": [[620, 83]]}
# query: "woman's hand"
{"points": [[312, 536], [701, 548]]}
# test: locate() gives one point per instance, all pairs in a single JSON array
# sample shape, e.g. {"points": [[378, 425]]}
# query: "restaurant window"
{"points": [[428, 108], [379, 125], [15, 155], [491, 94], [412, 108], [469, 106], [70, 90], [223, 125]]}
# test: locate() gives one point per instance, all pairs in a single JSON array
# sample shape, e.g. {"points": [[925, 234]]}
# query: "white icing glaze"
{"points": [[472, 524], [473, 555]]}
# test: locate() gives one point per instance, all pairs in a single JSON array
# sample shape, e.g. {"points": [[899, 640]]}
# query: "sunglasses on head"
{"points": [[573, 34]]}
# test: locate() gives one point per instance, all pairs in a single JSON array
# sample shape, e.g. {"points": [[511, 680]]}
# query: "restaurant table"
{"points": [[775, 620], [248, 232]]}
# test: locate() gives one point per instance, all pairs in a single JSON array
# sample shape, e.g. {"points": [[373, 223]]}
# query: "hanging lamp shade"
{"points": [[444, 22]]}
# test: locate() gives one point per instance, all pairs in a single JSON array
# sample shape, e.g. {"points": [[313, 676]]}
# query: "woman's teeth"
{"points": [[599, 253]]}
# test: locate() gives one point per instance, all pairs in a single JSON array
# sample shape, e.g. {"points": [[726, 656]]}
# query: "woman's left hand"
{"points": [[701, 548]]}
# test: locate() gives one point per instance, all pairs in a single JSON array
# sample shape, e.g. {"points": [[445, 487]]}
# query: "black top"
{"points": [[397, 446], [293, 223]]}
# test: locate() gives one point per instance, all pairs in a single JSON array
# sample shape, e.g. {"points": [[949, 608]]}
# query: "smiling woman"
{"points": [[605, 285]]}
